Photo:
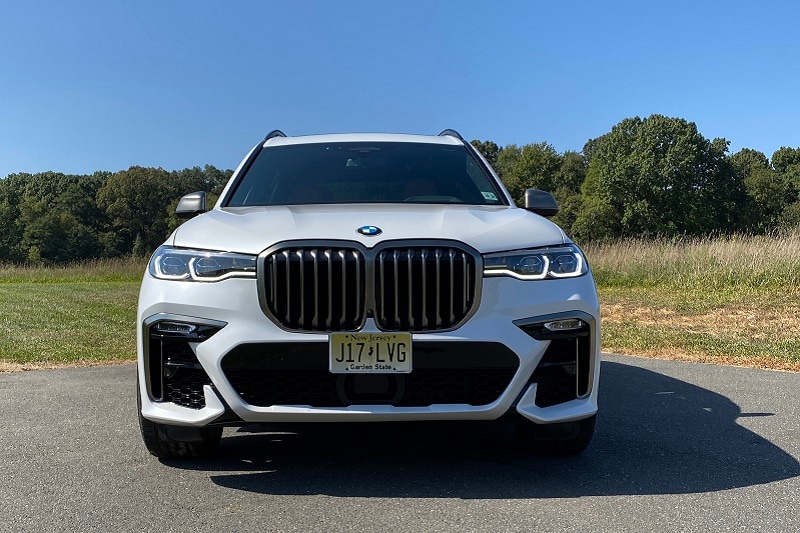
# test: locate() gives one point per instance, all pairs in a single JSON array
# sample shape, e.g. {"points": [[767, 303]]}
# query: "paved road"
{"points": [[679, 447]]}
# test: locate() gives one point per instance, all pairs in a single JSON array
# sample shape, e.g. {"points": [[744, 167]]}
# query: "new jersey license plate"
{"points": [[381, 353]]}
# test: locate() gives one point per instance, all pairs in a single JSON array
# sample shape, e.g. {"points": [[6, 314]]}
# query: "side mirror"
{"points": [[192, 205], [541, 203]]}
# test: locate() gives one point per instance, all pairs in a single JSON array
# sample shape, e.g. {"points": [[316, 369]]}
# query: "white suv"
{"points": [[366, 277]]}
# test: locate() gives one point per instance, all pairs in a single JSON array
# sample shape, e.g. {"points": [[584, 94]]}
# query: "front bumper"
{"points": [[234, 304]]}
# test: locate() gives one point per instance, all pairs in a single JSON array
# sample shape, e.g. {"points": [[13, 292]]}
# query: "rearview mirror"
{"points": [[541, 202], [192, 205]]}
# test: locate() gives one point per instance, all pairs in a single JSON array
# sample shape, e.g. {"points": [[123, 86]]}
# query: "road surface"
{"points": [[679, 447]]}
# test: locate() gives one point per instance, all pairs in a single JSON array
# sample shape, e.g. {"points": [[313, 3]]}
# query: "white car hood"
{"points": [[253, 229]]}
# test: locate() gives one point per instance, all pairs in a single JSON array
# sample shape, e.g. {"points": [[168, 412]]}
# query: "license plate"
{"points": [[378, 353]]}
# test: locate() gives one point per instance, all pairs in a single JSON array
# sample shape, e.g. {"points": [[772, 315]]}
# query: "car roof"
{"points": [[363, 137]]}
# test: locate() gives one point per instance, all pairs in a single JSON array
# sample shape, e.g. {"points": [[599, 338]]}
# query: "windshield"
{"points": [[365, 172]]}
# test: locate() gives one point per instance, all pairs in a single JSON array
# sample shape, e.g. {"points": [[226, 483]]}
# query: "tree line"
{"points": [[656, 176], [51, 217]]}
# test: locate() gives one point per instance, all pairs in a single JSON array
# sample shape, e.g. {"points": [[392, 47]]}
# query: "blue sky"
{"points": [[101, 85]]}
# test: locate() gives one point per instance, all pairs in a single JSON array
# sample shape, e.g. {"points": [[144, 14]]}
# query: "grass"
{"points": [[81, 314], [722, 263], [125, 270], [732, 300]]}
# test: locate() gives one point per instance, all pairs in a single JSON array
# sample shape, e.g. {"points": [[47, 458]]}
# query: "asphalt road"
{"points": [[679, 447]]}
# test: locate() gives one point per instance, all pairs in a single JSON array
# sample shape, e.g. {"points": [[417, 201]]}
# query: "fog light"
{"points": [[564, 325], [175, 327]]}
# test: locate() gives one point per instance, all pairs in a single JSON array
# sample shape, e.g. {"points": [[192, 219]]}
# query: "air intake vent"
{"points": [[423, 289], [316, 289], [406, 286], [173, 372]]}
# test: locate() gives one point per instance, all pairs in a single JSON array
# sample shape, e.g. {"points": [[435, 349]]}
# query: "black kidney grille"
{"points": [[423, 289], [416, 288], [316, 289]]}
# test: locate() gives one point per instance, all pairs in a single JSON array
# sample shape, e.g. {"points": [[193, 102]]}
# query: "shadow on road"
{"points": [[655, 435]]}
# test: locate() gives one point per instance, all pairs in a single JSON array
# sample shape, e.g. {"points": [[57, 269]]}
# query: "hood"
{"points": [[253, 229]]}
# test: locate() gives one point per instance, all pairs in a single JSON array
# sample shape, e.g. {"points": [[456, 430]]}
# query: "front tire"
{"points": [[176, 442], [564, 438]]}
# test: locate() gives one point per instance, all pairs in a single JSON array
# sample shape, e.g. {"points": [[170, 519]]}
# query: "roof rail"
{"points": [[452, 133], [274, 133]]}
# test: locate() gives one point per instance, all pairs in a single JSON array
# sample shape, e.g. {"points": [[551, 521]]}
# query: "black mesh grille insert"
{"points": [[556, 373], [565, 372], [173, 372], [183, 377], [186, 388], [448, 386], [473, 373]]}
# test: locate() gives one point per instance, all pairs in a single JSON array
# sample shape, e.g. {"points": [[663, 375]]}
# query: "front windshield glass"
{"points": [[365, 172]]}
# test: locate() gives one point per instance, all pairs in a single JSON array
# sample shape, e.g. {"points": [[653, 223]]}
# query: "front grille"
{"points": [[446, 386], [472, 373], [422, 288], [415, 287], [316, 289]]}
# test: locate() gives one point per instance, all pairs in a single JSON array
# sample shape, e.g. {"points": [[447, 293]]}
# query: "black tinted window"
{"points": [[370, 172]]}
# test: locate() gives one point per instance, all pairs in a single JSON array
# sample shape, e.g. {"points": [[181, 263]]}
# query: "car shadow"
{"points": [[655, 435]]}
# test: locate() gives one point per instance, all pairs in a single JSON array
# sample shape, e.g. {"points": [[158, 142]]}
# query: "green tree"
{"points": [[659, 176], [790, 217], [567, 184], [597, 218], [11, 234], [528, 166], [746, 161], [770, 193], [53, 235], [135, 202], [590, 147], [786, 162], [51, 216], [785, 157], [489, 149], [209, 179]]}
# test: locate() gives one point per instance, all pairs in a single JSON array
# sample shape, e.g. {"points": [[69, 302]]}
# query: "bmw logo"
{"points": [[369, 231]]}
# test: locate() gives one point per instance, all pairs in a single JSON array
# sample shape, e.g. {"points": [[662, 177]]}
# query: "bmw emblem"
{"points": [[369, 231]]}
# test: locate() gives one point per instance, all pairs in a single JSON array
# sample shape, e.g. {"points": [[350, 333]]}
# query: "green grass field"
{"points": [[74, 315], [733, 300]]}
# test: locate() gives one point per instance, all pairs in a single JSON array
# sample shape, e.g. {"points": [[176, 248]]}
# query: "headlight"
{"points": [[200, 265], [539, 263]]}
